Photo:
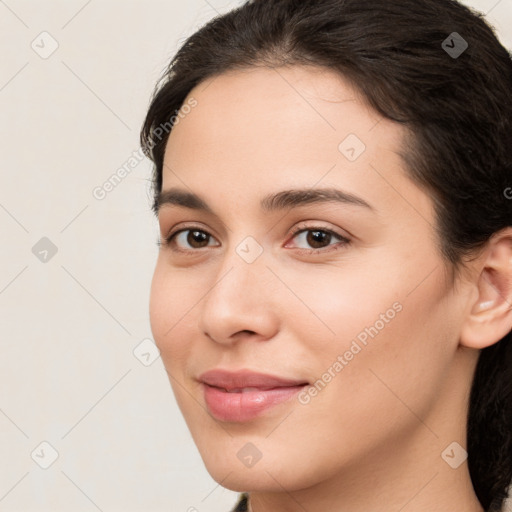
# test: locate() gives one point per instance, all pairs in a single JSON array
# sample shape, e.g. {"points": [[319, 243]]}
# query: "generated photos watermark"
{"points": [[100, 192], [357, 345]]}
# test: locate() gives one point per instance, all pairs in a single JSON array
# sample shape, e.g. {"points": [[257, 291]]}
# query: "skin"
{"points": [[372, 439]]}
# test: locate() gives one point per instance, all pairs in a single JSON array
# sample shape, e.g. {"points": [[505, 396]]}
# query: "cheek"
{"points": [[391, 368], [169, 309], [335, 305], [393, 336]]}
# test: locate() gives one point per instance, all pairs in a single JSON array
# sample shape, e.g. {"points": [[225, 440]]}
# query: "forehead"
{"points": [[261, 129], [252, 106]]}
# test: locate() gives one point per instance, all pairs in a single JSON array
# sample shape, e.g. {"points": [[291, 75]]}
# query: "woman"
{"points": [[332, 297]]}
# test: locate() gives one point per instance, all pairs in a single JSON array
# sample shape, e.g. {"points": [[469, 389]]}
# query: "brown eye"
{"points": [[197, 237], [187, 240], [317, 238]]}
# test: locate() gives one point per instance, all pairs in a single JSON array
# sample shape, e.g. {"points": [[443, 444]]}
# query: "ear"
{"points": [[490, 316]]}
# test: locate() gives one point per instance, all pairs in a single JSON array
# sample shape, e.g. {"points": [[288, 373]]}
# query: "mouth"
{"points": [[248, 390], [243, 396]]}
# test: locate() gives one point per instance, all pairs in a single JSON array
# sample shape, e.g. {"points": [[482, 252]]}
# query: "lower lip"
{"points": [[240, 407]]}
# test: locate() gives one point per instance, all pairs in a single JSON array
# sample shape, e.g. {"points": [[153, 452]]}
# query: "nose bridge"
{"points": [[242, 266], [237, 279], [238, 299]]}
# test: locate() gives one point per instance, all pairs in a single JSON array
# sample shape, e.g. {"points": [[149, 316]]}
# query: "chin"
{"points": [[263, 476], [246, 480]]}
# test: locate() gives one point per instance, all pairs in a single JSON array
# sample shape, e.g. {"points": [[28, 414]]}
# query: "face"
{"points": [[348, 295]]}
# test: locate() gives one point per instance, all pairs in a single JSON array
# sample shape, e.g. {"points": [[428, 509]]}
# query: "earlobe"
{"points": [[490, 316]]}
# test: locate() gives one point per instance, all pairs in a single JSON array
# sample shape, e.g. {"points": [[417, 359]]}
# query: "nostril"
{"points": [[234, 336]]}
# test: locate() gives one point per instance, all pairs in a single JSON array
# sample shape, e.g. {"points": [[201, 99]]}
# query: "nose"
{"points": [[241, 302]]}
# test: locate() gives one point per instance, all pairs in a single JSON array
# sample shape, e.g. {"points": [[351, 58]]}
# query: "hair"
{"points": [[457, 110]]}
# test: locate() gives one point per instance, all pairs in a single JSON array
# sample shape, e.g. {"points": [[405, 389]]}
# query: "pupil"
{"points": [[195, 236], [315, 237]]}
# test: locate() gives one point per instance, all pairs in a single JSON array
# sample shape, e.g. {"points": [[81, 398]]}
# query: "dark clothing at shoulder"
{"points": [[243, 503]]}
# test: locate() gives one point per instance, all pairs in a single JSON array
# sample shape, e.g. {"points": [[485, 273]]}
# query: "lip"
{"points": [[226, 400]]}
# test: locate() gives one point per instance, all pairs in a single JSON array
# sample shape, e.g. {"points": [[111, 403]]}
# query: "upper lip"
{"points": [[246, 379]]}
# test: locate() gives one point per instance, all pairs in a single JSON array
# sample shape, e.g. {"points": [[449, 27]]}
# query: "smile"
{"points": [[239, 396]]}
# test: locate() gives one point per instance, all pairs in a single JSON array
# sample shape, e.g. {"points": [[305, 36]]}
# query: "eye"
{"points": [[319, 238], [195, 238]]}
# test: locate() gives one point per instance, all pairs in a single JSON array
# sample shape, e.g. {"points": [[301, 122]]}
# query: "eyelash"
{"points": [[169, 241]]}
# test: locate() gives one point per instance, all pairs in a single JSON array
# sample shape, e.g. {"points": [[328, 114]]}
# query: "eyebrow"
{"points": [[273, 202]]}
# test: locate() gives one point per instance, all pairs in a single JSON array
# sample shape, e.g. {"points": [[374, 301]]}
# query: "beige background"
{"points": [[69, 326]]}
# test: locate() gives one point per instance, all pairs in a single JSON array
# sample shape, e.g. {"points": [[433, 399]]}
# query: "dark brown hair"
{"points": [[456, 102]]}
